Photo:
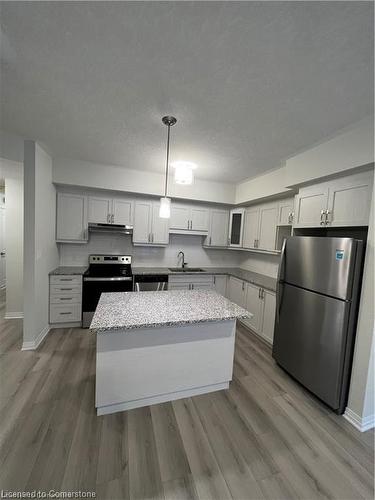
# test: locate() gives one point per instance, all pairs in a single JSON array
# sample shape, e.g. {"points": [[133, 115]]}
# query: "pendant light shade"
{"points": [[165, 202], [183, 172], [165, 208]]}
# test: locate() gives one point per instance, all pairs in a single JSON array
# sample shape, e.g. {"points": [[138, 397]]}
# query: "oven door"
{"points": [[92, 289]]}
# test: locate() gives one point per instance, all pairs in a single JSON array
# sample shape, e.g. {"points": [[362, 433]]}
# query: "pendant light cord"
{"points": [[167, 164]]}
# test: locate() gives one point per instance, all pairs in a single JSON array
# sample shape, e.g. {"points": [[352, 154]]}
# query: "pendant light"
{"points": [[183, 172], [165, 202]]}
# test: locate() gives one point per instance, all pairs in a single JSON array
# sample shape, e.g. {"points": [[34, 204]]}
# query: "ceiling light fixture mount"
{"points": [[165, 202]]}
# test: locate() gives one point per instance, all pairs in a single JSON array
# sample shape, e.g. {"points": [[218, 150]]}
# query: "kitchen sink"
{"points": [[187, 270]]}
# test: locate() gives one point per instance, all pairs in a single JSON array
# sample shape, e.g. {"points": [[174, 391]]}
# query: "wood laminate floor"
{"points": [[263, 438]]}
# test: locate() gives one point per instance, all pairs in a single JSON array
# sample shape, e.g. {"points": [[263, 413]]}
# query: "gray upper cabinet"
{"points": [[189, 219], [236, 222], [339, 202], [311, 203], [349, 201], [100, 210], [286, 212], [149, 228], [251, 228], [260, 227], [110, 210], [71, 218], [218, 228], [267, 226]]}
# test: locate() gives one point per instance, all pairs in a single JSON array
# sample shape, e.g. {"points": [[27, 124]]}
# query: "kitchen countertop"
{"points": [[134, 310], [61, 270], [249, 276]]}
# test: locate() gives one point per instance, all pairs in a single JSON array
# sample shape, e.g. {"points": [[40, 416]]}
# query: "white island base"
{"points": [[145, 366]]}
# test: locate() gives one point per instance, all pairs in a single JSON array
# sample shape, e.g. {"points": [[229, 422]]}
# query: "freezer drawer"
{"points": [[310, 340], [324, 265]]}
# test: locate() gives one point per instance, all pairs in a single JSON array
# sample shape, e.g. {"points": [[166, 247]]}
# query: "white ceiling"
{"points": [[250, 83]]}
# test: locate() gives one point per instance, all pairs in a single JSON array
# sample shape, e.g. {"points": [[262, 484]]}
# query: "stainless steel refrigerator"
{"points": [[317, 299]]}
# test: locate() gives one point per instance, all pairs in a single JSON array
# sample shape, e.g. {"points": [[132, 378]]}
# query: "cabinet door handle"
{"points": [[259, 293], [152, 236], [210, 241], [255, 243], [192, 286], [243, 286], [322, 213], [113, 218], [326, 218], [108, 218], [214, 280]]}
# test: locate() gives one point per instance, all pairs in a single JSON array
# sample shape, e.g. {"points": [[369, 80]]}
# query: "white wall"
{"points": [[361, 396], [12, 172], [270, 184], [195, 255], [40, 249], [11, 147], [352, 148], [93, 175]]}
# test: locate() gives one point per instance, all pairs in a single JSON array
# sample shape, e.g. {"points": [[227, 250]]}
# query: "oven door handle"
{"points": [[116, 278]]}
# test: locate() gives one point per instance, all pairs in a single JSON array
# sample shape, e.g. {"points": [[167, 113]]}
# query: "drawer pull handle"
{"points": [[65, 279], [65, 313], [66, 289], [65, 298]]}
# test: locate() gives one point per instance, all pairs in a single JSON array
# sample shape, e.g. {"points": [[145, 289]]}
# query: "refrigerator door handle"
{"points": [[281, 270], [280, 277]]}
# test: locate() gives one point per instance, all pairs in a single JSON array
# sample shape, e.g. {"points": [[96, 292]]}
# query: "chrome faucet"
{"points": [[183, 264]]}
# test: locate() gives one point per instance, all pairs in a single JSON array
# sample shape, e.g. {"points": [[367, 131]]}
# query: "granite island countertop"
{"points": [[63, 270], [255, 278], [132, 310]]}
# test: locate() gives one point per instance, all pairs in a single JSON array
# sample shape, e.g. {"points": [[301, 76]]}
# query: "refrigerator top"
{"points": [[320, 264]]}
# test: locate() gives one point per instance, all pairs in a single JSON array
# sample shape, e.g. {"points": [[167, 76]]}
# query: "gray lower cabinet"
{"points": [[190, 282], [257, 300], [220, 284], [65, 299]]}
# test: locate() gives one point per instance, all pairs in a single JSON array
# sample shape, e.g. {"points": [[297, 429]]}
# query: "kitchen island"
{"points": [[154, 347]]}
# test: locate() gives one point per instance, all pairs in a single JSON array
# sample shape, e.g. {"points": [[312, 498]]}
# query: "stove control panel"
{"points": [[110, 259]]}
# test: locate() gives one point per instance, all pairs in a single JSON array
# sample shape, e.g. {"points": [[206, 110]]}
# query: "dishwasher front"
{"points": [[150, 282]]}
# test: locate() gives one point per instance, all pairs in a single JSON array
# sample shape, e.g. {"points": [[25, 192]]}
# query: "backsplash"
{"points": [[261, 263], [195, 255]]}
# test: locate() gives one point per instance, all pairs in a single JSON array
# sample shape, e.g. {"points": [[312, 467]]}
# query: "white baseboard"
{"points": [[362, 424], [34, 344], [13, 315], [74, 324]]}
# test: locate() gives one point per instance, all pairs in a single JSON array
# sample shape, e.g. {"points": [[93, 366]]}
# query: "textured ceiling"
{"points": [[250, 83]]}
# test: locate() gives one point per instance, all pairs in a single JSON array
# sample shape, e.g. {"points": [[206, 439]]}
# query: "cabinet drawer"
{"points": [[75, 298], [65, 289], [64, 313], [65, 279], [190, 278]]}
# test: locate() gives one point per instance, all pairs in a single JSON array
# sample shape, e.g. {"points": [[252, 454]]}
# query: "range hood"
{"points": [[95, 227]]}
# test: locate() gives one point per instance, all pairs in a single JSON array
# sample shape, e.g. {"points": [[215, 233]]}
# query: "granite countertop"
{"points": [[255, 278], [79, 270], [131, 310]]}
